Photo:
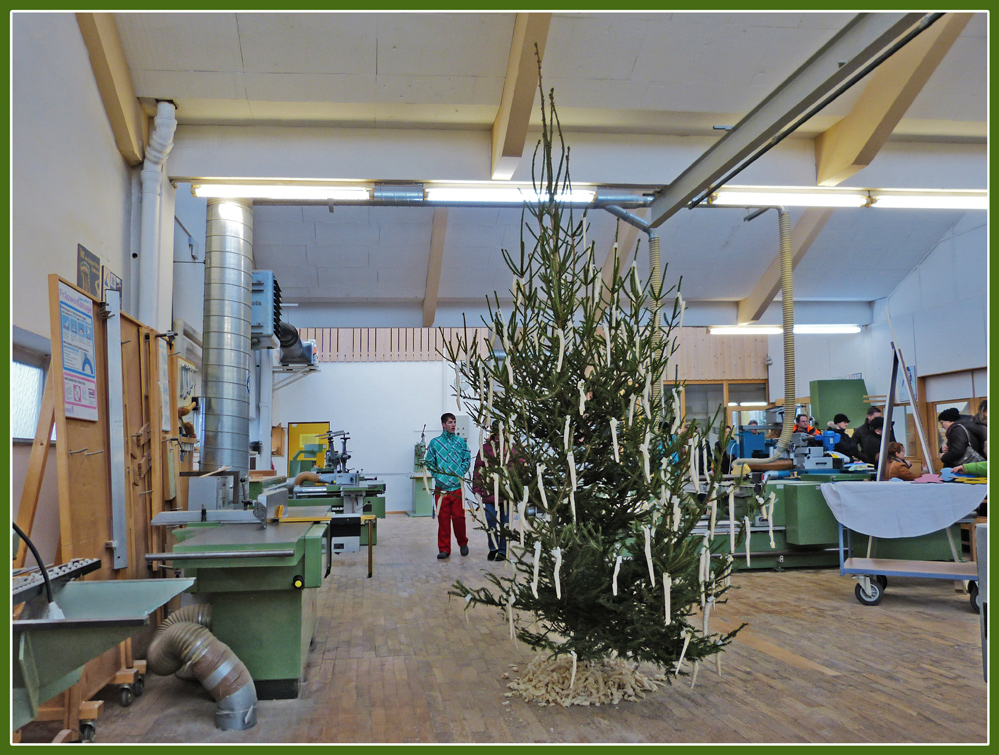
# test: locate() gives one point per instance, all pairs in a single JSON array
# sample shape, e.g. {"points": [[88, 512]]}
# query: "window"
{"points": [[738, 401], [27, 382]]}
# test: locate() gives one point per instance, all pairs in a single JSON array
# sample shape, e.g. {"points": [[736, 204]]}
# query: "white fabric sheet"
{"points": [[900, 509]]}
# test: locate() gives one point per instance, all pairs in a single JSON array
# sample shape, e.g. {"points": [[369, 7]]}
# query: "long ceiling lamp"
{"points": [[496, 194], [776, 330], [804, 196], [281, 191]]}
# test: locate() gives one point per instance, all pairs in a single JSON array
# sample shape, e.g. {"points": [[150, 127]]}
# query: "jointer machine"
{"points": [[260, 562]]}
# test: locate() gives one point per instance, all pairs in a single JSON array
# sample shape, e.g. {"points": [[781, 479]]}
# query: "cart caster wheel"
{"points": [[873, 597], [882, 580], [139, 686], [976, 604], [126, 695], [88, 732]]}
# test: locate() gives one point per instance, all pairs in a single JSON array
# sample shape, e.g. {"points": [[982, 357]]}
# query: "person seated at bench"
{"points": [[898, 467]]}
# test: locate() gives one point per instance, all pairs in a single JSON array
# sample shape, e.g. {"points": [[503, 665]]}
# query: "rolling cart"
{"points": [[892, 510]]}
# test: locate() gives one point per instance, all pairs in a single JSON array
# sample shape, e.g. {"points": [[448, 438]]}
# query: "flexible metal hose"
{"points": [[787, 322], [656, 276], [181, 640], [306, 477]]}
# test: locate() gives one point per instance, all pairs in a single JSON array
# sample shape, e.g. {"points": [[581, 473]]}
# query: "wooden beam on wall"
{"points": [[129, 124], [804, 233], [36, 470], [432, 289], [851, 143], [509, 133]]}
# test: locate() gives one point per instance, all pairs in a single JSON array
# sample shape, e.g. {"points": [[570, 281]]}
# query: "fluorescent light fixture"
{"points": [[939, 200], [289, 191], [788, 197], [826, 329], [808, 196], [776, 330], [745, 330], [505, 195], [754, 403]]}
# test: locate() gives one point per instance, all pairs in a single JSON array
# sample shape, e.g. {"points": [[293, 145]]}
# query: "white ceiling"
{"points": [[619, 76]]}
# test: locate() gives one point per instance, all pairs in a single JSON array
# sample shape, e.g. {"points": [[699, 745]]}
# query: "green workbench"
{"points": [[373, 504], [263, 606]]}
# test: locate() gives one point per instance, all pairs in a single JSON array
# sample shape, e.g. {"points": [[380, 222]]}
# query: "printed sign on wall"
{"points": [[78, 354], [88, 271], [111, 282]]}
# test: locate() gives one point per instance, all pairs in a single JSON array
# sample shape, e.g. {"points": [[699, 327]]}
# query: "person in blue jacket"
{"points": [[448, 460]]}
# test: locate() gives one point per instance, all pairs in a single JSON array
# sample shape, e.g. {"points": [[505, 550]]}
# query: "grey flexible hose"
{"points": [[787, 322], [181, 640], [656, 276]]}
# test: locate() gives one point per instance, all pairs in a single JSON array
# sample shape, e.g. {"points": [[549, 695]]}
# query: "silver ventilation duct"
{"points": [[226, 358]]}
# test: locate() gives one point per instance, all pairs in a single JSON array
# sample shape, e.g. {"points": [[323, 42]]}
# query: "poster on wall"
{"points": [[88, 271], [76, 321], [164, 380], [110, 282]]}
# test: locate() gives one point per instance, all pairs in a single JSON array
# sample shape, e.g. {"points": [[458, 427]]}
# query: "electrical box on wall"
{"points": [[463, 426], [265, 310]]}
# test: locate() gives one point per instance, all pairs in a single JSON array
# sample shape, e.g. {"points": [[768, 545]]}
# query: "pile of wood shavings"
{"points": [[546, 682]]}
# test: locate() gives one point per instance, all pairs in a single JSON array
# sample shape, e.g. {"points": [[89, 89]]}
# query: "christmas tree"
{"points": [[596, 468]]}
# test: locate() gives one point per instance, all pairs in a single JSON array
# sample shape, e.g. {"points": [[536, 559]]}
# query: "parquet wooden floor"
{"points": [[395, 661]]}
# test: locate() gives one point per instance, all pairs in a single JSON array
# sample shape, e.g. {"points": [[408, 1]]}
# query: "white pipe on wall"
{"points": [[160, 144], [130, 293], [265, 414]]}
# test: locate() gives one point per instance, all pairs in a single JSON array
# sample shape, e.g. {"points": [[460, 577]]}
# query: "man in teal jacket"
{"points": [[448, 460]]}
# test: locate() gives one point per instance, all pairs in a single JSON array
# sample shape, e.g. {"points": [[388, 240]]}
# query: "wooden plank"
{"points": [[958, 570], [28, 506], [59, 398]]}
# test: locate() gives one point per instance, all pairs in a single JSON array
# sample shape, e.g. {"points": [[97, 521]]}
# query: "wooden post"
{"points": [[36, 470]]}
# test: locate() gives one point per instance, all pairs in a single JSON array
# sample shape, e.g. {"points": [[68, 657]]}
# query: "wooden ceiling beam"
{"points": [[509, 134], [434, 266], [847, 54], [851, 143], [804, 233], [129, 124]]}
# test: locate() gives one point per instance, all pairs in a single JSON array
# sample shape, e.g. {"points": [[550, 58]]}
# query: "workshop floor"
{"points": [[395, 661]]}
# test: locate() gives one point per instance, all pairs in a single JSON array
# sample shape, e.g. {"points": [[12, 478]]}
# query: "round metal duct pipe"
{"points": [[226, 335]]}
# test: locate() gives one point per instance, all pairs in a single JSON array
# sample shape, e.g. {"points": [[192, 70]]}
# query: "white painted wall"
{"points": [[383, 406], [73, 186], [939, 313], [190, 219]]}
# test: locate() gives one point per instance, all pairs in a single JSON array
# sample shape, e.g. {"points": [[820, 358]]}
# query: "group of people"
{"points": [[448, 458], [965, 440], [865, 443]]}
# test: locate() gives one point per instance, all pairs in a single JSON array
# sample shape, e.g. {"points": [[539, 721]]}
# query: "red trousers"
{"points": [[452, 514]]}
